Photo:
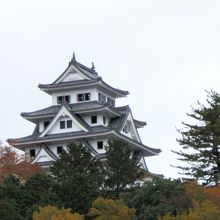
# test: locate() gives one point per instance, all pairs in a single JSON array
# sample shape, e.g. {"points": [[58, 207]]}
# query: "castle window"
{"points": [[127, 128], [102, 98], [66, 124], [69, 123], [100, 145], [94, 119], [46, 123], [83, 97], [67, 98], [62, 125], [104, 120], [32, 153], [61, 99], [111, 102], [59, 149]]}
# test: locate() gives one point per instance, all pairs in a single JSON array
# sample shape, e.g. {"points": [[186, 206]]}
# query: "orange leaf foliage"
{"points": [[213, 193], [13, 163]]}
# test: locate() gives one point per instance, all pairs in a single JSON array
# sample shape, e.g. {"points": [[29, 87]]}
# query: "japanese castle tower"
{"points": [[83, 109]]}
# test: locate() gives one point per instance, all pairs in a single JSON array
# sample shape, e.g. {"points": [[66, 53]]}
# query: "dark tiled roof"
{"points": [[90, 73], [34, 137], [82, 84], [76, 108], [83, 67], [117, 123], [140, 124], [98, 130]]}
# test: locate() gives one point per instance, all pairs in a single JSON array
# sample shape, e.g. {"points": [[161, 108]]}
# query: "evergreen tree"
{"points": [[120, 169], [78, 178], [201, 141], [157, 198], [75, 159]]}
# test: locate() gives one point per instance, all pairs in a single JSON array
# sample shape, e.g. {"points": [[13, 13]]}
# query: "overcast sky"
{"points": [[165, 52]]}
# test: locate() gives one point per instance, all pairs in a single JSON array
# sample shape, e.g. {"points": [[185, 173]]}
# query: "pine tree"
{"points": [[201, 141], [120, 169], [78, 178]]}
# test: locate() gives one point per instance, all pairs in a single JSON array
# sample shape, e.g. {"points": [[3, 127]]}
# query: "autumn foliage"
{"points": [[110, 209], [53, 213], [12, 163]]}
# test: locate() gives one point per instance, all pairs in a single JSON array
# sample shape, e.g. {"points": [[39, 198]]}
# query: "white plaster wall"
{"points": [[107, 96], [93, 143], [132, 133], [73, 76], [41, 126], [56, 127], [87, 119], [27, 150], [73, 95], [53, 147]]}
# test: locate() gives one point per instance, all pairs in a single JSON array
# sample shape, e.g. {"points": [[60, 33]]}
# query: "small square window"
{"points": [[94, 119], [87, 96], [69, 123], [32, 153], [80, 97], [102, 98], [62, 125], [67, 98], [59, 149], [100, 145], [59, 99], [46, 123]]}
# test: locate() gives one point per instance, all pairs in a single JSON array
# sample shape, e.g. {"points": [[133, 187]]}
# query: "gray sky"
{"points": [[165, 52]]}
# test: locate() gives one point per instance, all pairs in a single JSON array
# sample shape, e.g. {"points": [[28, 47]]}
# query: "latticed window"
{"points": [[102, 98], [111, 102], [83, 97], [127, 127], [62, 99]]}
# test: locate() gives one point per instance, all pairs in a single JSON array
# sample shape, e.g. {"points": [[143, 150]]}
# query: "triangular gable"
{"points": [[43, 156], [129, 118], [143, 163], [71, 74], [63, 113]]}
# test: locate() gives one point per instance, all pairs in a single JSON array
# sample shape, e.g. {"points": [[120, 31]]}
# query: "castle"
{"points": [[83, 109]]}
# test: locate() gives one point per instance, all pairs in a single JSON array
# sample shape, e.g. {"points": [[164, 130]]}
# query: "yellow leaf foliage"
{"points": [[204, 211], [53, 213], [108, 209]]}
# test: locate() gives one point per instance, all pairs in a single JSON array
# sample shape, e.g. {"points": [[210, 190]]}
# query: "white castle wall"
{"points": [[73, 95]]}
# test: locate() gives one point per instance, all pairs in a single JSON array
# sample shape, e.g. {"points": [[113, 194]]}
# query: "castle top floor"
{"points": [[78, 84]]}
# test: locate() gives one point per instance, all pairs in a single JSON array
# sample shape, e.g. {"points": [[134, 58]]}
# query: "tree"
{"points": [[77, 192], [158, 197], [75, 159], [201, 141], [78, 176], [204, 211], [9, 210], [107, 209], [39, 191], [12, 193], [120, 170], [13, 163], [53, 213]]}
